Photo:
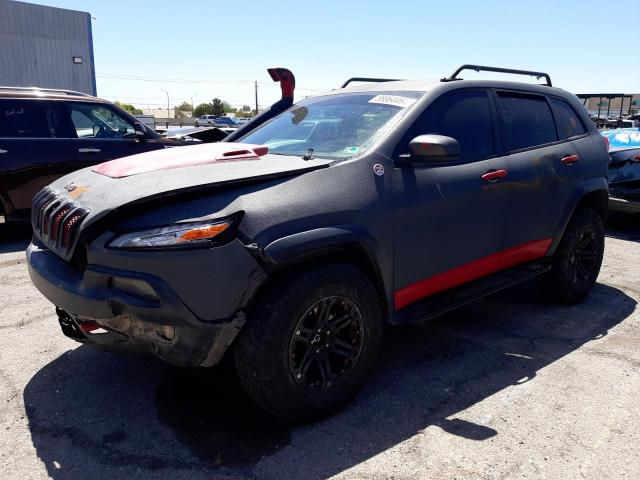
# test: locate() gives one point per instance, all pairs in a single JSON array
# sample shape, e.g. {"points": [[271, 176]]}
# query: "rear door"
{"points": [[449, 220], [101, 133], [33, 150], [544, 168]]}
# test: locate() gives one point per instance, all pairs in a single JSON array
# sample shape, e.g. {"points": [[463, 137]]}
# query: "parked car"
{"points": [[624, 180], [290, 256], [197, 134], [624, 169], [226, 122], [205, 121], [46, 133]]}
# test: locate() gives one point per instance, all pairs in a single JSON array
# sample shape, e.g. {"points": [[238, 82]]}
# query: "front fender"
{"points": [[320, 241]]}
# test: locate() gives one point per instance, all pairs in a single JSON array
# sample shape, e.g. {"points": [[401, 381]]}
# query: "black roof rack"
{"points": [[367, 79], [44, 90], [482, 68]]}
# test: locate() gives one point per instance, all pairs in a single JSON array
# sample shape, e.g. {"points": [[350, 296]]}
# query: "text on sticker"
{"points": [[395, 100]]}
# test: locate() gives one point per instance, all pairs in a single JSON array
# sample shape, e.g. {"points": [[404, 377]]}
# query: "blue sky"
{"points": [[222, 46]]}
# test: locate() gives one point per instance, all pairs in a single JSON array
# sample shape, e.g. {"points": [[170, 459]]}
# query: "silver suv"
{"points": [[205, 121]]}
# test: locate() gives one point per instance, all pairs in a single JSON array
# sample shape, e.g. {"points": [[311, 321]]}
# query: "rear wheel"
{"points": [[310, 343], [577, 261]]}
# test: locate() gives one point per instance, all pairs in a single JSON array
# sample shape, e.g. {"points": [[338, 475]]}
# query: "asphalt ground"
{"points": [[508, 387]]}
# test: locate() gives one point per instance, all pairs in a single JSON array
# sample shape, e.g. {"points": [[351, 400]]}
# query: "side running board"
{"points": [[444, 302]]}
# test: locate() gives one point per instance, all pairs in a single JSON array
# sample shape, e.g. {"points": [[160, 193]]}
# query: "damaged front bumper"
{"points": [[137, 309], [179, 345]]}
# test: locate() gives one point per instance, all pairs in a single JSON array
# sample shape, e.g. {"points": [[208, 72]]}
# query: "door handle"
{"points": [[89, 150], [570, 159], [494, 175], [3, 151]]}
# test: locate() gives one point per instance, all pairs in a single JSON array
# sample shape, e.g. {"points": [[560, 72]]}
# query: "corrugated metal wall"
{"points": [[37, 46]]}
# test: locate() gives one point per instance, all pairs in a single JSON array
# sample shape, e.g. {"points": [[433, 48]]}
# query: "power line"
{"points": [[114, 76], [170, 80]]}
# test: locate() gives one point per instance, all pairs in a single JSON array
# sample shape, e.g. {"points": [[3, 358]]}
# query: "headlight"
{"points": [[179, 235]]}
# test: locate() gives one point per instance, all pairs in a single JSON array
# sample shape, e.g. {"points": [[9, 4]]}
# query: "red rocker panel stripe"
{"points": [[471, 271]]}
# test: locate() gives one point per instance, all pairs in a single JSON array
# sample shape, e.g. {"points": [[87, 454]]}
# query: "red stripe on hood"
{"points": [[178, 157]]}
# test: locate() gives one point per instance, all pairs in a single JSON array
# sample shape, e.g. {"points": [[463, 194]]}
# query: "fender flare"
{"points": [[591, 185], [317, 242]]}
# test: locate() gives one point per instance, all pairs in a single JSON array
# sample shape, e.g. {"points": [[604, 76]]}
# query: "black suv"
{"points": [[46, 133], [290, 245]]}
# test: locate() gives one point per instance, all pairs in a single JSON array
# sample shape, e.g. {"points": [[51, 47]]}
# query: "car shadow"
{"points": [[14, 237], [99, 415], [624, 226]]}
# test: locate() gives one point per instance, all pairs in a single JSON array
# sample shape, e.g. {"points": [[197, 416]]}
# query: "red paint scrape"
{"points": [[179, 157]]}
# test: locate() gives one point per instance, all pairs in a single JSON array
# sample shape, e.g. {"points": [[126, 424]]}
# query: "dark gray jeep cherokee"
{"points": [[291, 244]]}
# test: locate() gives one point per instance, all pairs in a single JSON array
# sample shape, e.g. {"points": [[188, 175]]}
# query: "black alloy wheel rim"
{"points": [[584, 257], [326, 342]]}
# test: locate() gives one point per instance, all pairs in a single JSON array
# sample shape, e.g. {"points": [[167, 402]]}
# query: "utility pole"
{"points": [[256, 86], [168, 114]]}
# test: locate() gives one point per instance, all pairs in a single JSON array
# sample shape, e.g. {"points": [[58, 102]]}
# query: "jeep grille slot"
{"points": [[56, 221]]}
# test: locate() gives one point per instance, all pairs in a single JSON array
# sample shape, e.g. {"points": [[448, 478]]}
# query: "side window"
{"points": [[464, 115], [27, 119], [98, 121], [569, 123], [526, 121]]}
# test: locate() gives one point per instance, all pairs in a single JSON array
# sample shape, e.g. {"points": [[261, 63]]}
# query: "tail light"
{"points": [[606, 142]]}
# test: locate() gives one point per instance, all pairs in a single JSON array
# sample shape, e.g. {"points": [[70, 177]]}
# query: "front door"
{"points": [[102, 134], [449, 218]]}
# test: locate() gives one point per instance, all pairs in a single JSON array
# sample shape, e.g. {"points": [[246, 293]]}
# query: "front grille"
{"points": [[56, 221]]}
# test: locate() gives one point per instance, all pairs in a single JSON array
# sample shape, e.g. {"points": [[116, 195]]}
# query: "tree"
{"points": [[202, 109], [217, 107], [244, 112], [228, 108], [184, 107], [127, 107]]}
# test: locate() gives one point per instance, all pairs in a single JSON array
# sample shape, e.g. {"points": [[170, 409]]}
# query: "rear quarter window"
{"points": [[25, 119], [527, 121], [569, 123]]}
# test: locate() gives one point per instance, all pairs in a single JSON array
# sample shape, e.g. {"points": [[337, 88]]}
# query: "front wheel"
{"points": [[576, 263], [309, 343]]}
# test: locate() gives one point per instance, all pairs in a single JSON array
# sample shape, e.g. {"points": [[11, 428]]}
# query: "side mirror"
{"points": [[141, 132], [434, 148]]}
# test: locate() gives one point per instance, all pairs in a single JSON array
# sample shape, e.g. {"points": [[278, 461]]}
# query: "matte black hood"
{"points": [[171, 171]]}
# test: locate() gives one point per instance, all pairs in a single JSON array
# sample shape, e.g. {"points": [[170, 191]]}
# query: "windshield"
{"points": [[336, 126]]}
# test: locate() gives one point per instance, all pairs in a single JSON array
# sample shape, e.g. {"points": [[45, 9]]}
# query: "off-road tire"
{"points": [[564, 283], [262, 350]]}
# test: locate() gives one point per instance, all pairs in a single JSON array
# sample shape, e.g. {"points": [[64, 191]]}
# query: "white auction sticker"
{"points": [[395, 100]]}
